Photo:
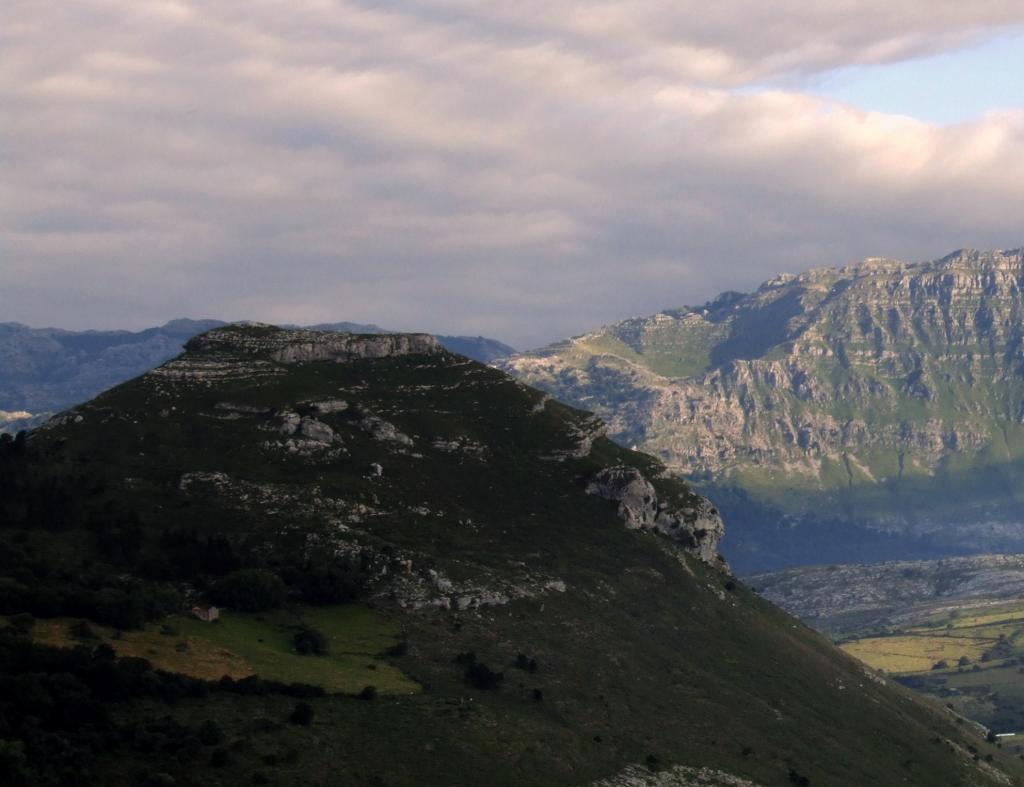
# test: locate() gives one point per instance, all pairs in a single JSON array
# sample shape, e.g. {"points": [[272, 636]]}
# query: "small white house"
{"points": [[206, 614]]}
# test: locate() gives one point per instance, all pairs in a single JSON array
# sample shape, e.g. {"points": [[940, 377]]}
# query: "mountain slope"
{"points": [[562, 607], [45, 370], [884, 395]]}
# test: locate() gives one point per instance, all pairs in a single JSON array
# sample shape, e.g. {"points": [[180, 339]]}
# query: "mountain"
{"points": [[479, 348], [45, 370], [425, 573], [861, 413]]}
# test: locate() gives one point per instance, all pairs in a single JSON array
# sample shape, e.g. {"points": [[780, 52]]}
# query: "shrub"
{"points": [[155, 780], [330, 583], [368, 693], [13, 762], [249, 590], [302, 715], [210, 733], [219, 758], [311, 642], [480, 676], [22, 622], [82, 631]]}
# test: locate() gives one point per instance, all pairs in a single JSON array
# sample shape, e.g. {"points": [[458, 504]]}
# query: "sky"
{"points": [[526, 171]]}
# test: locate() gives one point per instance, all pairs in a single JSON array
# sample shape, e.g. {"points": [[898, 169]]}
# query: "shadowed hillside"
{"points": [[555, 604]]}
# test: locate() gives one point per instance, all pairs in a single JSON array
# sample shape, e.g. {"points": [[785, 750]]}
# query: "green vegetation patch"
{"points": [[916, 653], [243, 644], [971, 658]]}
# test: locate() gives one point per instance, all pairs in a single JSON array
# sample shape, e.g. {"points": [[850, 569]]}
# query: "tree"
{"points": [[311, 642], [210, 733], [330, 583], [14, 762], [368, 693], [219, 757], [302, 715], [480, 676], [249, 590]]}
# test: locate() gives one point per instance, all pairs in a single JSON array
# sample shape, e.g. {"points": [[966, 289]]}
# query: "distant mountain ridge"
{"points": [[46, 370], [884, 397]]}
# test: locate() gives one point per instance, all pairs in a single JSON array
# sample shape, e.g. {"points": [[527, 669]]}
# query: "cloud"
{"points": [[526, 170]]}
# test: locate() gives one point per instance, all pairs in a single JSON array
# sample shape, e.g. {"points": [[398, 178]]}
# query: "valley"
{"points": [[969, 658], [952, 629]]}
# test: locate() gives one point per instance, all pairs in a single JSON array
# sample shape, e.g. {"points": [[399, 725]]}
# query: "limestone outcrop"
{"points": [[696, 525], [298, 345]]}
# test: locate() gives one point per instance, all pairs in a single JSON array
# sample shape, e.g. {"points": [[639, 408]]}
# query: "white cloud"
{"points": [[525, 169]]}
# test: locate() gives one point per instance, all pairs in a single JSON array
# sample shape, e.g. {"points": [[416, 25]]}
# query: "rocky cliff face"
{"points": [[698, 527], [839, 389], [45, 370], [298, 345]]}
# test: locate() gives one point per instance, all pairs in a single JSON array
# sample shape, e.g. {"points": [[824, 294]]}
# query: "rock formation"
{"points": [[45, 370], [698, 527], [298, 345]]}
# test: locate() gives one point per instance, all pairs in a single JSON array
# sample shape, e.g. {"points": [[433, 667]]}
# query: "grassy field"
{"points": [[988, 688], [917, 652], [240, 645]]}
